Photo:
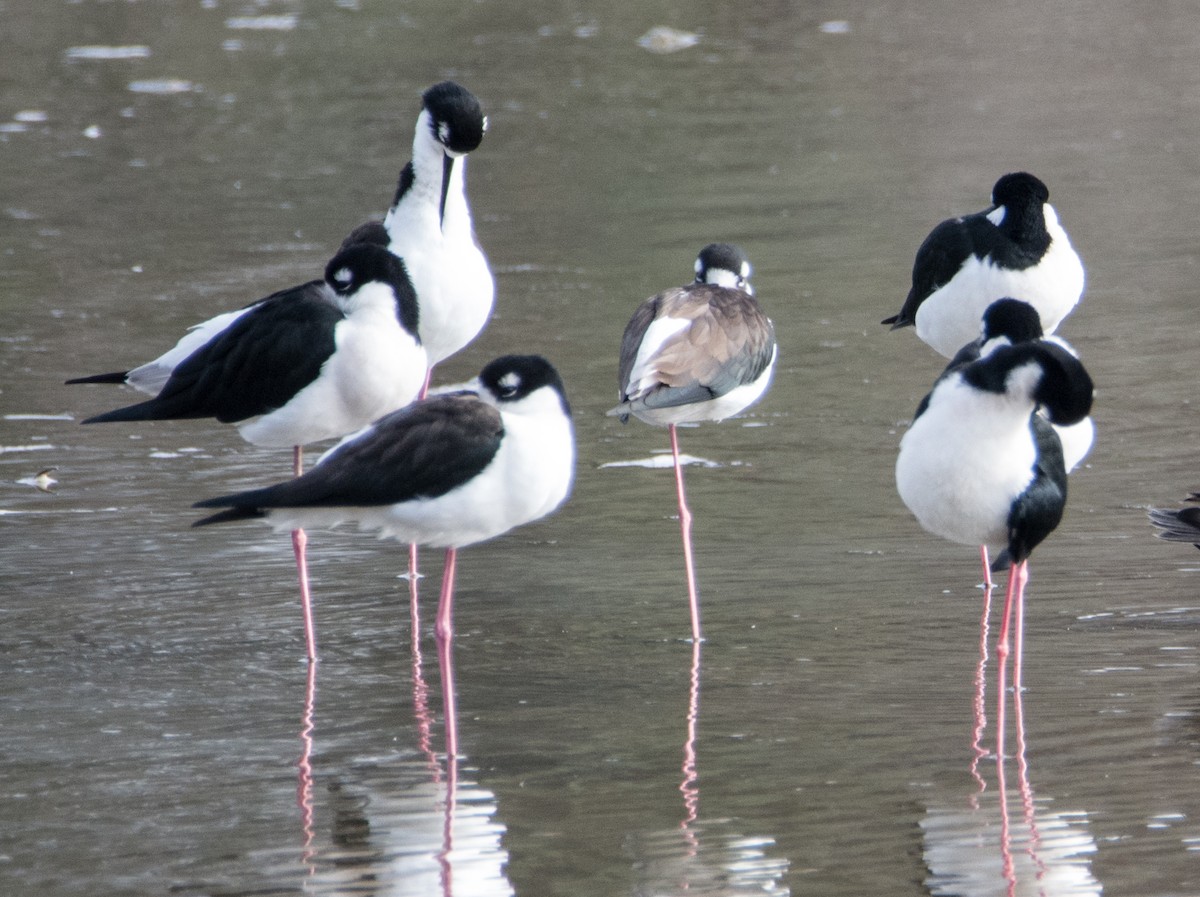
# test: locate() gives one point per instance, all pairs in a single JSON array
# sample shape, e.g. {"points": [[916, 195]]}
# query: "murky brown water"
{"points": [[153, 688]]}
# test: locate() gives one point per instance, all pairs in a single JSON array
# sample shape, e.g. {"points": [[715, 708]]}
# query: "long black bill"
{"points": [[447, 169]]}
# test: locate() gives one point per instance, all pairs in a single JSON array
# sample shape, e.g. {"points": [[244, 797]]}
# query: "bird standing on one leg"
{"points": [[979, 466], [700, 352], [1014, 248]]}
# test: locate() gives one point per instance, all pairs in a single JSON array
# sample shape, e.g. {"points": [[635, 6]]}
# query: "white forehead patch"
{"points": [[485, 124], [510, 381], [996, 215], [699, 267], [745, 270], [443, 132], [343, 276]]}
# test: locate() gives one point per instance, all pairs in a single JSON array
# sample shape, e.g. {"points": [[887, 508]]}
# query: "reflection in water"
{"points": [[978, 851], [397, 832], [400, 826], [304, 789], [978, 752], [424, 718], [703, 858], [972, 853]]}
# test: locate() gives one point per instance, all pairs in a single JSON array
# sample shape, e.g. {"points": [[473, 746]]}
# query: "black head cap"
{"points": [[511, 378], [1063, 387], [723, 257], [368, 232], [1019, 188], [359, 264], [1012, 318], [458, 121]]}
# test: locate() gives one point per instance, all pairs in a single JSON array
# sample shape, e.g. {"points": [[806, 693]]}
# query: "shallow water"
{"points": [[166, 161]]}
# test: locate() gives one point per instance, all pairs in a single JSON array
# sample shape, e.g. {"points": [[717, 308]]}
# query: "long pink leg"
{"points": [[685, 527], [987, 568], [299, 546], [413, 573], [1019, 625], [444, 631], [1014, 596]]}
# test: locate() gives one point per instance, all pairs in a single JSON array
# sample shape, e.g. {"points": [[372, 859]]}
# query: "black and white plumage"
{"points": [[309, 363], [699, 352], [1016, 247], [429, 222], [313, 362], [1008, 322], [1178, 525], [977, 466], [981, 466], [448, 471]]}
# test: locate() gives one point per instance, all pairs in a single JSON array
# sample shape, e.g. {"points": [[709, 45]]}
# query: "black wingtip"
{"points": [[897, 321], [228, 515], [1177, 526], [113, 377]]}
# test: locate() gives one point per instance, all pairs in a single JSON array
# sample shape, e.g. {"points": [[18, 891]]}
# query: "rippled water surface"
{"points": [[165, 161]]}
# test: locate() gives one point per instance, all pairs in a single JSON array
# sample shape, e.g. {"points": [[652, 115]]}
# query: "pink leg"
{"points": [[1002, 648], [444, 633], [987, 568], [413, 573], [1019, 625], [685, 526], [444, 630], [299, 546]]}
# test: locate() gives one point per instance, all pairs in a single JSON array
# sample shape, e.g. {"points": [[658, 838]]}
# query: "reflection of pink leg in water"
{"points": [[420, 689], [689, 786], [444, 856], [304, 786], [977, 749], [1022, 764]]}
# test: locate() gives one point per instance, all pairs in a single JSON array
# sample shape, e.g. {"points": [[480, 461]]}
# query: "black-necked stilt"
{"points": [[1007, 322], [1178, 525], [429, 226], [313, 362], [447, 471], [979, 466], [1014, 248], [700, 352], [429, 222]]}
